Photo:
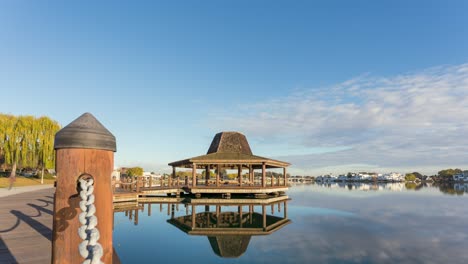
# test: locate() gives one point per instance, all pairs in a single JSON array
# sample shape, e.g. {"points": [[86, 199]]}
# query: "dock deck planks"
{"points": [[26, 227]]}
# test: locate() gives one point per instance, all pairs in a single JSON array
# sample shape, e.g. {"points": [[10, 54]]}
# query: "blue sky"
{"points": [[330, 86]]}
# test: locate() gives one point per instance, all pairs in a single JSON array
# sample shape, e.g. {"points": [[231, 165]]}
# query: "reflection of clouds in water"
{"points": [[384, 229], [305, 211]]}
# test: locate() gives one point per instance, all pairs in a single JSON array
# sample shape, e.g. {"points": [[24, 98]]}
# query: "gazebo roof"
{"points": [[229, 148], [229, 246]]}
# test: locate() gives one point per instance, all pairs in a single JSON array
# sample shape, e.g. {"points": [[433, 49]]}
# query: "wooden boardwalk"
{"points": [[26, 227]]}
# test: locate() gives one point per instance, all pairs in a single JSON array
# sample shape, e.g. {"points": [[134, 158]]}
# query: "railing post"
{"points": [[84, 147]]}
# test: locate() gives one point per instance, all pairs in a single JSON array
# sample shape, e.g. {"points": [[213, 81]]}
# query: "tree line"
{"points": [[27, 142], [442, 175]]}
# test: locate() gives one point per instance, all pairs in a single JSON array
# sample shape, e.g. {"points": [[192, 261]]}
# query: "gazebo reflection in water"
{"points": [[228, 224]]}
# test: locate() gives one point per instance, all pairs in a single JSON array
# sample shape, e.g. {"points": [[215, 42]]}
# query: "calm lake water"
{"points": [[338, 223]]}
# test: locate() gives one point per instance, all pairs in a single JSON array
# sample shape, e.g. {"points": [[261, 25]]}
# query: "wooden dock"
{"points": [[134, 192], [26, 227]]}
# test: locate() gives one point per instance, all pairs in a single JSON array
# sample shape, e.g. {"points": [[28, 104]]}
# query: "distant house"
{"points": [[463, 176]]}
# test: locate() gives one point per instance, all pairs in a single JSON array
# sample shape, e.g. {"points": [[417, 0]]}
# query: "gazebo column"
{"points": [[263, 174], [272, 179], [193, 217], [285, 177], [250, 175], [217, 175], [239, 174], [194, 175], [207, 174]]}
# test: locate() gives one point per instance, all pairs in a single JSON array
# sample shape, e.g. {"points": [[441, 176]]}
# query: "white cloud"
{"points": [[416, 120]]}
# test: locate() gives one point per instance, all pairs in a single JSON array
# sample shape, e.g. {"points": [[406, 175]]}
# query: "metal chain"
{"points": [[89, 249]]}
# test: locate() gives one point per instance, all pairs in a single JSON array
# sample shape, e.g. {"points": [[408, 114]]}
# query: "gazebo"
{"points": [[231, 150]]}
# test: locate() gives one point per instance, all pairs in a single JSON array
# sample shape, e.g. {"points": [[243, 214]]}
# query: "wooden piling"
{"points": [[84, 147]]}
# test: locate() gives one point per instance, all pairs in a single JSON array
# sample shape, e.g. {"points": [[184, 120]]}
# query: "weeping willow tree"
{"points": [[27, 142]]}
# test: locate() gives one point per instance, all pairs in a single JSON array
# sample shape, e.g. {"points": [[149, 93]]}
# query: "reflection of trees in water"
{"points": [[414, 186], [452, 188]]}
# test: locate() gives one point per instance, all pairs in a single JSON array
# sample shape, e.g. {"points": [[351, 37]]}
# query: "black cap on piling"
{"points": [[85, 132]]}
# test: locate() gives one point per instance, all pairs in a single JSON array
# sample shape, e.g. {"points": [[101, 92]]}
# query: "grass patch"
{"points": [[23, 181]]}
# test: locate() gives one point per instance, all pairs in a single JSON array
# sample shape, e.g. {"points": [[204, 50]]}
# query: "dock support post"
{"points": [[84, 147], [264, 217], [285, 209]]}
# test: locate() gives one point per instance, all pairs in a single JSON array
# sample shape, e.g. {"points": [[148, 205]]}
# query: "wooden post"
{"points": [[137, 184], [207, 175], [285, 210], [193, 217], [218, 212], [150, 181], [173, 173], [136, 217], [217, 175], [84, 147], [194, 174], [263, 174], [285, 177], [240, 216], [149, 209], [250, 175], [264, 217], [239, 174]]}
